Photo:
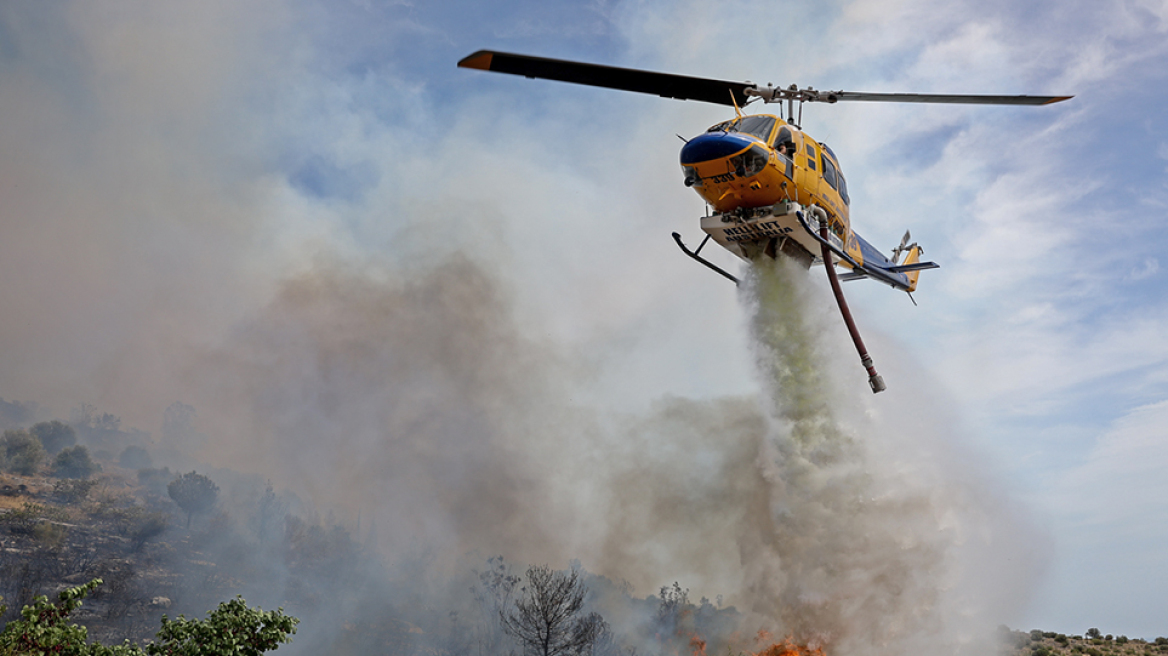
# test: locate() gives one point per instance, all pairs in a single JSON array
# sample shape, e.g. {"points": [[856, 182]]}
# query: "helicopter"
{"points": [[770, 188]]}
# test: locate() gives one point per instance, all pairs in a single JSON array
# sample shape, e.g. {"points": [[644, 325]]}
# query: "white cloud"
{"points": [[1149, 268]]}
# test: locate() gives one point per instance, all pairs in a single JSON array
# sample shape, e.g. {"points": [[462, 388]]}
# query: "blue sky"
{"points": [[167, 167]]}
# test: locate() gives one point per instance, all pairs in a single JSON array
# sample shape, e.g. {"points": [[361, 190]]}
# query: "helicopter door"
{"points": [[806, 159]]}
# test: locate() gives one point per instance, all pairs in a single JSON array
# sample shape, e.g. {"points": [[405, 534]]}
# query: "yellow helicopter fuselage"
{"points": [[759, 160]]}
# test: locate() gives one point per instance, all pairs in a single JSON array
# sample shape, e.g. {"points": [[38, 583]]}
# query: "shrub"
{"points": [[54, 435], [72, 490], [25, 519], [135, 457], [1061, 639], [23, 453], [232, 628], [75, 463], [49, 534], [1093, 633], [1121, 640], [149, 527], [155, 480], [1036, 635]]}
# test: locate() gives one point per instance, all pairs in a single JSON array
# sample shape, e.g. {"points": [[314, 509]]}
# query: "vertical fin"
{"points": [[914, 256]]}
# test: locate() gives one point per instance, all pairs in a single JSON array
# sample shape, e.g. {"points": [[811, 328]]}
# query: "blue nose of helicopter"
{"points": [[713, 145]]}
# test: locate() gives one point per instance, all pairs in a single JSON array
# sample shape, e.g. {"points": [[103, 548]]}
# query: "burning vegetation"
{"points": [[169, 543]]}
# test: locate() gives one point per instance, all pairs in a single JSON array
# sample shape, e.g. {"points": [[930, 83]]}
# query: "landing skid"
{"points": [[695, 255]]}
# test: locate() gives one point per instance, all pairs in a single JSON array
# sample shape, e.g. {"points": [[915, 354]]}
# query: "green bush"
{"points": [[155, 480], [135, 457], [49, 534], [25, 519], [232, 628], [23, 453], [75, 463], [54, 435], [147, 528], [1061, 639], [72, 490]]}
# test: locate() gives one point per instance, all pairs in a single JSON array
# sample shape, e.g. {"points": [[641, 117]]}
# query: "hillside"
{"points": [[121, 526], [1096, 643], [118, 520]]}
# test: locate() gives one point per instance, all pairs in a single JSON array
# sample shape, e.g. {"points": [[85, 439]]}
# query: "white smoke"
{"points": [[871, 542]]}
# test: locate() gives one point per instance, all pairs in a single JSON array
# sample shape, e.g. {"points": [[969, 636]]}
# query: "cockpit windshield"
{"points": [[757, 126]]}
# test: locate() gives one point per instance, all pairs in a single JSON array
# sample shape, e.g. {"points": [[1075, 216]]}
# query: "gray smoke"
{"points": [[868, 541], [417, 402], [149, 232]]}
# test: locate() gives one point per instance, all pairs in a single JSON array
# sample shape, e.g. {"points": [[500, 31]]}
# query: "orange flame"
{"points": [[697, 645], [785, 648]]}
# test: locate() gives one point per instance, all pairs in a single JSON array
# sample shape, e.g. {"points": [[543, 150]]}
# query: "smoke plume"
{"points": [[188, 212], [417, 403]]}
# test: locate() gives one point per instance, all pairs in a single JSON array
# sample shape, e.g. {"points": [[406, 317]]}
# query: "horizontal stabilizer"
{"points": [[915, 266]]}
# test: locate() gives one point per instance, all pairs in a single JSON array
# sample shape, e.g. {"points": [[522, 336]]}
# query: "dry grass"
{"points": [[12, 503]]}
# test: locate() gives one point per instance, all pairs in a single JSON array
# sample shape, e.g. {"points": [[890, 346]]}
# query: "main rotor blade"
{"points": [[666, 85], [840, 96]]}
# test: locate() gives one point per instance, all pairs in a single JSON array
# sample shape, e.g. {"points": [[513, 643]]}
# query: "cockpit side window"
{"points": [[784, 142], [829, 172]]}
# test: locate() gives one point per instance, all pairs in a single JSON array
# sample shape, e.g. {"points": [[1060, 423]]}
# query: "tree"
{"points": [[194, 493], [494, 594], [269, 510], [548, 619], [54, 435], [1094, 633], [232, 628], [669, 611], [75, 463], [22, 452], [135, 457]]}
